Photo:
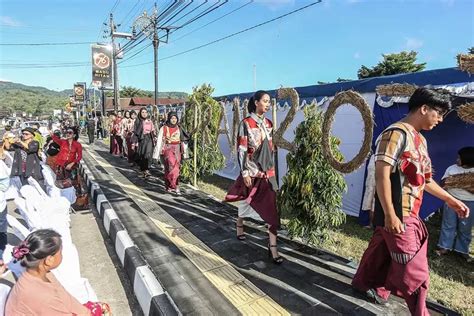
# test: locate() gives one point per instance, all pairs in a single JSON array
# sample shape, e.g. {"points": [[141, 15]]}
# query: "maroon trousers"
{"points": [[397, 263]]}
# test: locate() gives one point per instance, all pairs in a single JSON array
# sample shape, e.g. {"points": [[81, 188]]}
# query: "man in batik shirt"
{"points": [[396, 258]]}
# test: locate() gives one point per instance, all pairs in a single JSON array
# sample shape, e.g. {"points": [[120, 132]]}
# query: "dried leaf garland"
{"points": [[460, 181], [396, 90], [466, 112], [278, 139], [355, 99]]}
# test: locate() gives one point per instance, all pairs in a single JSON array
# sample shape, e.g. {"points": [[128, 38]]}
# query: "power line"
{"points": [[45, 66], [115, 6], [46, 44], [195, 18], [229, 36], [215, 20]]}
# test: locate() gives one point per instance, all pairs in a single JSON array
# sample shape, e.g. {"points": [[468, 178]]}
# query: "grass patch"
{"points": [[451, 278]]}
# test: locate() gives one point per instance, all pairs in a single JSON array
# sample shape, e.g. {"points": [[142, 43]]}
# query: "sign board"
{"points": [[102, 66]]}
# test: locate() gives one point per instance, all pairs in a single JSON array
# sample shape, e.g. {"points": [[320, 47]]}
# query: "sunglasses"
{"points": [[70, 132]]}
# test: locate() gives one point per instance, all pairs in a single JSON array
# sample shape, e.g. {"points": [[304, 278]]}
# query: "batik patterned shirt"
{"points": [[410, 155], [252, 133]]}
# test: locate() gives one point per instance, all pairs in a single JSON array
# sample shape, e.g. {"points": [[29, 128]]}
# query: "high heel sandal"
{"points": [[241, 237], [275, 260]]}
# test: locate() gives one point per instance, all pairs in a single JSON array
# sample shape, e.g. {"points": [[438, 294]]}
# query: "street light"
{"points": [[148, 25]]}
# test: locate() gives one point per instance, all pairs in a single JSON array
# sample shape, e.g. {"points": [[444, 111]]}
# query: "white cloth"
{"points": [[461, 194], [38, 187], [32, 218], [19, 229], [51, 188], [246, 211], [4, 291], [69, 275], [369, 194], [159, 145]]}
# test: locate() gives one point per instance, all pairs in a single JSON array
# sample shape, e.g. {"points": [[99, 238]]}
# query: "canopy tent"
{"points": [[443, 142]]}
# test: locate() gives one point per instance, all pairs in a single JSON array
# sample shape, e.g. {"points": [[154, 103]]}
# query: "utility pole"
{"points": [[114, 60], [148, 25], [156, 42]]}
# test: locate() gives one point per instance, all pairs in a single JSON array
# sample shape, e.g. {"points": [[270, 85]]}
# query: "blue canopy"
{"points": [[423, 78]]}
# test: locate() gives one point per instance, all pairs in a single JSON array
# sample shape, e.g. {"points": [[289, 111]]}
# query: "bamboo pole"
{"points": [[195, 146], [275, 153]]}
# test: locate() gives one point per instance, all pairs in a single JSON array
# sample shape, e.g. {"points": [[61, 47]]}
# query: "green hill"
{"points": [[38, 101], [15, 97]]}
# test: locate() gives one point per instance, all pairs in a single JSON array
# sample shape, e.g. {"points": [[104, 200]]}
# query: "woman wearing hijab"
{"points": [[144, 134], [170, 147], [128, 131]]}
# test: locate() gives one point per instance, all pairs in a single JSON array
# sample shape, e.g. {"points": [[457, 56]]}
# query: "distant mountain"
{"points": [[17, 97]]}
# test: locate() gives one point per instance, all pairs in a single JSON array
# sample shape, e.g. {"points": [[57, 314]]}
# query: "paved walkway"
{"points": [[189, 242]]}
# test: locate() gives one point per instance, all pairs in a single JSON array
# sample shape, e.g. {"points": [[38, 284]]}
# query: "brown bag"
{"points": [[82, 201]]}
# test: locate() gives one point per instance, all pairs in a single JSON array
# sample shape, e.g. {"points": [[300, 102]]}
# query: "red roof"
{"points": [[141, 101], [138, 102]]}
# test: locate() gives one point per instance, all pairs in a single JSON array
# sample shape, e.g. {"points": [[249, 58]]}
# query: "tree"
{"points": [[392, 64], [311, 194], [130, 92], [471, 50], [209, 113]]}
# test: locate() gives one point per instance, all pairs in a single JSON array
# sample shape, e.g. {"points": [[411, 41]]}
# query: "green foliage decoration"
{"points": [[209, 112], [311, 195]]}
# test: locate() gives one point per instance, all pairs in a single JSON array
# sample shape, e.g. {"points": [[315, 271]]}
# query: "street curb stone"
{"points": [[150, 294]]}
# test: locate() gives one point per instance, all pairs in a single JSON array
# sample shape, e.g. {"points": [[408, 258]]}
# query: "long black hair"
{"points": [[251, 106], [37, 246], [466, 155]]}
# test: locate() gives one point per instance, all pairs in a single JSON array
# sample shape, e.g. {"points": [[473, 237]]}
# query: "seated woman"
{"points": [[37, 291], [69, 156]]}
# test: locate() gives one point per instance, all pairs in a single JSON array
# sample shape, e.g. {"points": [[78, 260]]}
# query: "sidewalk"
{"points": [[178, 235], [100, 264]]}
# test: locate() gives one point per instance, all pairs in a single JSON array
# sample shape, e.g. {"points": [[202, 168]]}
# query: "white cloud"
{"points": [[356, 55], [4, 80], [9, 21], [276, 4], [412, 43]]}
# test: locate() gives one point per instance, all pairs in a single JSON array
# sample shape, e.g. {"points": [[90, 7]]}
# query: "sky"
{"points": [[326, 41]]}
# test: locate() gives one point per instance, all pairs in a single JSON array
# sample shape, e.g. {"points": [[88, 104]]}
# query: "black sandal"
{"points": [[241, 237], [275, 260]]}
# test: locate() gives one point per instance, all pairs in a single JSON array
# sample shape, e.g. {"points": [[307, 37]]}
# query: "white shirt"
{"points": [[460, 194]]}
